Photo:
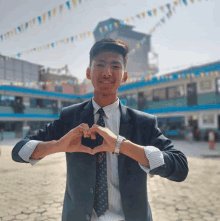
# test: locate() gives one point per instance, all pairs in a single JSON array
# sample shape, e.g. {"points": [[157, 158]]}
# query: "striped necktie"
{"points": [[101, 188]]}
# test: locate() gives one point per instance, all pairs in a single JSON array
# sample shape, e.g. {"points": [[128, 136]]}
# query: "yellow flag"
{"points": [[161, 8], [32, 50], [61, 41], [54, 11], [40, 48], [137, 45], [100, 30], [155, 11], [44, 16], [127, 19], [12, 33], [116, 24], [89, 33], [5, 36], [192, 1], [48, 46], [22, 27], [81, 36], [202, 75], [74, 3], [67, 40], [152, 30], [22, 52], [31, 22], [175, 3], [143, 14], [188, 75]]}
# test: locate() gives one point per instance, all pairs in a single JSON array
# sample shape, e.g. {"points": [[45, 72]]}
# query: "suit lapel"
{"points": [[87, 114], [125, 130]]}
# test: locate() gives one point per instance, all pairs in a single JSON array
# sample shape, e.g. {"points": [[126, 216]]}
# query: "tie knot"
{"points": [[101, 111]]}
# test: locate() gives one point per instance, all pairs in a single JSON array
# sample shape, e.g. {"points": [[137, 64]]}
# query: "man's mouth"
{"points": [[106, 82]]}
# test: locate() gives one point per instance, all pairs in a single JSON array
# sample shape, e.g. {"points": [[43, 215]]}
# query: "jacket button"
{"points": [[87, 217], [91, 190]]}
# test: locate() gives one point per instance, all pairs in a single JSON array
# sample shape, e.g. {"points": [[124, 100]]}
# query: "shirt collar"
{"points": [[108, 110]]}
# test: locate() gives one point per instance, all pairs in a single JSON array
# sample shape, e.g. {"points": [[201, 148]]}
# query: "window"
{"points": [[59, 89], [6, 100], [175, 92], [208, 119], [205, 85], [218, 85], [159, 94]]}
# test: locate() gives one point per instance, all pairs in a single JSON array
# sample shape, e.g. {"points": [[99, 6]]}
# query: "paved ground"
{"points": [[24, 194]]}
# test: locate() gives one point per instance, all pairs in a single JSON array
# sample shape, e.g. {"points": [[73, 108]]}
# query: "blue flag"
{"points": [[68, 4], [72, 39], [39, 19], [149, 13], [19, 29], [52, 45], [168, 6], [49, 14], [185, 2]]}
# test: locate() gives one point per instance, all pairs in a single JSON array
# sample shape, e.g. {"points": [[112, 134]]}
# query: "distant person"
{"points": [[110, 148], [211, 137], [2, 132]]}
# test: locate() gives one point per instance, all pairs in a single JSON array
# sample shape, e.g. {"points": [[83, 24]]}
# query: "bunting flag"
{"points": [[133, 77], [40, 19], [100, 31]]}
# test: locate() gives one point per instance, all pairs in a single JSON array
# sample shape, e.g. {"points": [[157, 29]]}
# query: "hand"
{"points": [[109, 139], [71, 142]]}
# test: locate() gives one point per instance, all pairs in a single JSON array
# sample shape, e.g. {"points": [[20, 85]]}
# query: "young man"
{"points": [[110, 148]]}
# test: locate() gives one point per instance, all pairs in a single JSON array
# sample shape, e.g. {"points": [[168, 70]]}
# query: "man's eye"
{"points": [[115, 67], [100, 65]]}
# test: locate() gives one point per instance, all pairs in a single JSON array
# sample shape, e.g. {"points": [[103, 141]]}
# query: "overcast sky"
{"points": [[190, 36]]}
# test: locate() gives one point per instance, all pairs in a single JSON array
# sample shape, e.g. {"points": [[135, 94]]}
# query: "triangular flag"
{"points": [[161, 8], [162, 20], [80, 1], [149, 13], [31, 22], [39, 19], [116, 24], [19, 29], [12, 33], [52, 45], [48, 46], [192, 1], [175, 3], [44, 16], [138, 16], [185, 2], [26, 25], [168, 6], [22, 27], [68, 4], [89, 33], [74, 3], [61, 8], [49, 14], [127, 20], [100, 30], [143, 14], [5, 36], [72, 39], [67, 40], [155, 11], [54, 11]]}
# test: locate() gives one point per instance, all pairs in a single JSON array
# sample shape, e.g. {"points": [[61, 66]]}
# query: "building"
{"points": [[138, 61], [16, 70], [55, 78]]}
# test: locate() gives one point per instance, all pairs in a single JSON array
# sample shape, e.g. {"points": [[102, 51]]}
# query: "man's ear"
{"points": [[88, 73], [125, 77]]}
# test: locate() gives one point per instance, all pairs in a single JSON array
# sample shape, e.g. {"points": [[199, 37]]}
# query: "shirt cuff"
{"points": [[155, 157], [27, 150]]}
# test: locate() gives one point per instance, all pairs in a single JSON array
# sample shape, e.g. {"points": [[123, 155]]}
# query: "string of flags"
{"points": [[41, 19], [110, 27], [74, 3], [151, 78]]}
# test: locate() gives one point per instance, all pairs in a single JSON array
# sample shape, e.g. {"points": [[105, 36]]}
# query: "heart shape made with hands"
{"points": [[89, 142]]}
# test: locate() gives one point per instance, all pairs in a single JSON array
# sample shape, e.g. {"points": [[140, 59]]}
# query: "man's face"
{"points": [[107, 71]]}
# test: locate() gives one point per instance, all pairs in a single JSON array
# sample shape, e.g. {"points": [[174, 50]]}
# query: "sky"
{"points": [[190, 37]]}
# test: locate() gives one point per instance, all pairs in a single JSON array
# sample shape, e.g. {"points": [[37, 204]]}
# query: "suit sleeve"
{"points": [[176, 165], [52, 131]]}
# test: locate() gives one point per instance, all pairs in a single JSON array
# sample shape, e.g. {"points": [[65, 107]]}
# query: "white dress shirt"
{"points": [[112, 121]]}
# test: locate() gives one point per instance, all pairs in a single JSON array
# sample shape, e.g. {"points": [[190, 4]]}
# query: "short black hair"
{"points": [[109, 44]]}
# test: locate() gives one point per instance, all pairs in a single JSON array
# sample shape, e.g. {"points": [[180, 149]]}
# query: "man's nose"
{"points": [[107, 70]]}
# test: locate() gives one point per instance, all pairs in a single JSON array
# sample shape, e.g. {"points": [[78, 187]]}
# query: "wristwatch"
{"points": [[118, 144]]}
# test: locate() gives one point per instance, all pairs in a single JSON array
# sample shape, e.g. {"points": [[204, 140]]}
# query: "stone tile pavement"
{"points": [[36, 192]]}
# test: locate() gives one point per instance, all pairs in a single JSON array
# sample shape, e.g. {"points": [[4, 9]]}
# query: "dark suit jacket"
{"points": [[136, 126]]}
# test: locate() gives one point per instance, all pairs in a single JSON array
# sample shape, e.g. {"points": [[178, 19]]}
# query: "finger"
{"points": [[85, 149], [97, 149], [83, 131]]}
